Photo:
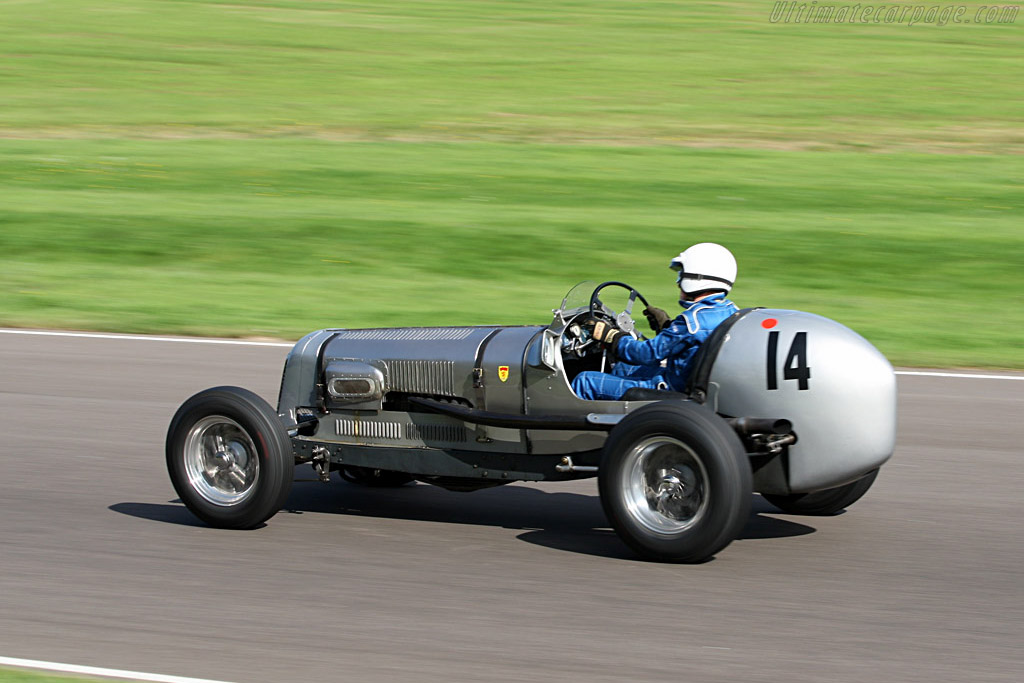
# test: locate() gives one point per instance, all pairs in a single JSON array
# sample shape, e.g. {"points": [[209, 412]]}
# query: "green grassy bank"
{"points": [[273, 238], [22, 676], [267, 168]]}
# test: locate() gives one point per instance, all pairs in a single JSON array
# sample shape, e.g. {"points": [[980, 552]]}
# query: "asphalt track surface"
{"points": [[919, 581]]}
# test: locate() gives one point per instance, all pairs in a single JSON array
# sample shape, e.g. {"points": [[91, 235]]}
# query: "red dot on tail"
{"points": [[769, 323]]}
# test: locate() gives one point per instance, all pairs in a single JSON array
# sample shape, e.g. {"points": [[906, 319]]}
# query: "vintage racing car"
{"points": [[789, 404]]}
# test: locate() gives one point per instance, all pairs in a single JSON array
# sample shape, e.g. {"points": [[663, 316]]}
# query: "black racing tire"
{"points": [[230, 458], [675, 482], [368, 476], [823, 503]]}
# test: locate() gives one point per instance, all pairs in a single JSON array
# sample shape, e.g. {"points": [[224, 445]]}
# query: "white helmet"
{"points": [[705, 266]]}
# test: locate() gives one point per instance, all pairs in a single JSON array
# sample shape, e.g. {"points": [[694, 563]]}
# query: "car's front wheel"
{"points": [[675, 482], [229, 458]]}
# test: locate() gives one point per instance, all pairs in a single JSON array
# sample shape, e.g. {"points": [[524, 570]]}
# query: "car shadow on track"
{"points": [[172, 514], [602, 541], [561, 520]]}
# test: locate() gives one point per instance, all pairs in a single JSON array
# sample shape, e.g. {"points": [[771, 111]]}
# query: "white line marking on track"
{"points": [[288, 345], [98, 671], [959, 375], [142, 337]]}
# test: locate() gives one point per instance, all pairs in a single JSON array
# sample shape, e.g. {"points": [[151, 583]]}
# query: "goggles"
{"points": [[683, 275]]}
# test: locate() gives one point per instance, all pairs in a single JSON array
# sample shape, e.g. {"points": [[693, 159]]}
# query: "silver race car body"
{"points": [[786, 403]]}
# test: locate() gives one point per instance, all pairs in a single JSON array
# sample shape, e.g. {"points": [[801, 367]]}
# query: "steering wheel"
{"points": [[624, 320], [577, 344]]}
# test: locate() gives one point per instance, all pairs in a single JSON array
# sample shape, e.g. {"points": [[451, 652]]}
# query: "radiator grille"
{"points": [[410, 334], [422, 376], [429, 433], [368, 429]]}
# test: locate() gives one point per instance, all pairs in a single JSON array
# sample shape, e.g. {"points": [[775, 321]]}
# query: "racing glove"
{"points": [[602, 331], [657, 318]]}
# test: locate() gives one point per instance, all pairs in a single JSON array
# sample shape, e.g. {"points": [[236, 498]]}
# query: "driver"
{"points": [[707, 272]]}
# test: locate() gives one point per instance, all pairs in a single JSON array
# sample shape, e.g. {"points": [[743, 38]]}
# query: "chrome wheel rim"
{"points": [[665, 485], [221, 461]]}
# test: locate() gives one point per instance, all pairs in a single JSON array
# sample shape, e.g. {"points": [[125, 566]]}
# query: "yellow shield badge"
{"points": [[503, 373]]}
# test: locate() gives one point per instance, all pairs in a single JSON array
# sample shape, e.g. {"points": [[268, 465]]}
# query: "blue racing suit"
{"points": [[665, 359]]}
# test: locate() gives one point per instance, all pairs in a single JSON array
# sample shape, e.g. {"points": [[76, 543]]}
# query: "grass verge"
{"points": [[920, 253], [24, 676], [270, 167]]}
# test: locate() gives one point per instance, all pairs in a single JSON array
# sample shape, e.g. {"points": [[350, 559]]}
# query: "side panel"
{"points": [[298, 381], [838, 390], [502, 378], [548, 393], [488, 467], [437, 362], [417, 360]]}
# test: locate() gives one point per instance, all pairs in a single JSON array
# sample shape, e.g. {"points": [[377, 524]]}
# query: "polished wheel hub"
{"points": [[666, 485], [221, 460]]}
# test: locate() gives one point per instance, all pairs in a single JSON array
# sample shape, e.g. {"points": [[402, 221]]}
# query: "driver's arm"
{"points": [[671, 341]]}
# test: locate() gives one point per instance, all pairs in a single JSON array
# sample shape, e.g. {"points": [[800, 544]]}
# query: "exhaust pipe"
{"points": [[751, 426], [764, 435]]}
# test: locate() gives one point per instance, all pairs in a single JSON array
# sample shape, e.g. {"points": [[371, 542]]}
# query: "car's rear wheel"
{"points": [[229, 458], [822, 503], [675, 482]]}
